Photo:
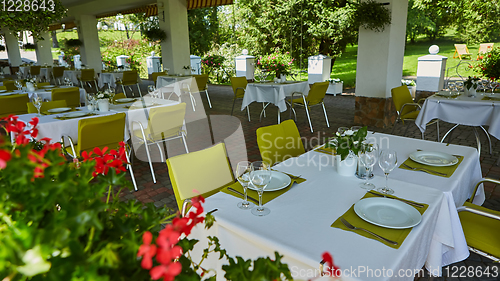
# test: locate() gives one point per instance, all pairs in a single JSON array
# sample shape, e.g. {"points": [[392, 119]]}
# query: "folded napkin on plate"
{"points": [[266, 196], [398, 235], [490, 98], [66, 118], [52, 113], [448, 170], [326, 150]]}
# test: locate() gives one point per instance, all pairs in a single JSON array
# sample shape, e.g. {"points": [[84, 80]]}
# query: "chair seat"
{"points": [[411, 115], [479, 232], [158, 137]]}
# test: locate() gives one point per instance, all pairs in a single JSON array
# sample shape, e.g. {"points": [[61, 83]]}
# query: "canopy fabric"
{"points": [[194, 4]]}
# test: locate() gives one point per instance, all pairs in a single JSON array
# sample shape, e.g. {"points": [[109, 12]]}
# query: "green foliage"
{"points": [[417, 22], [263, 269], [203, 30], [29, 46], [155, 34], [2, 48], [31, 20], [478, 21], [277, 62], [72, 43], [440, 13], [348, 142], [489, 64], [137, 50], [372, 15], [226, 70], [70, 47]]}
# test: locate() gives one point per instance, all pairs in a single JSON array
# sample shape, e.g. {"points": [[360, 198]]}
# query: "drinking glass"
{"points": [[260, 176], [387, 162], [243, 171], [18, 85], [368, 157], [152, 93], [37, 102], [92, 101]]}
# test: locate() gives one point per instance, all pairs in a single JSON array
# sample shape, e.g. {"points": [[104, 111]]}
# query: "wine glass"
{"points": [[387, 162], [18, 85], [152, 93], [243, 176], [260, 176], [368, 157], [37, 102], [92, 101]]}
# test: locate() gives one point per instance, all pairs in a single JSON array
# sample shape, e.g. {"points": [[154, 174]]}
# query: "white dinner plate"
{"points": [[278, 181], [3, 91], [48, 86], [448, 94], [142, 104], [434, 158], [75, 114], [59, 109], [125, 100], [387, 212], [7, 94]]}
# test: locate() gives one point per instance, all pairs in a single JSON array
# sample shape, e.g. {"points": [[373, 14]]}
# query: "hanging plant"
{"points": [[2, 48], [72, 43], [372, 15], [155, 34], [29, 46], [35, 17]]}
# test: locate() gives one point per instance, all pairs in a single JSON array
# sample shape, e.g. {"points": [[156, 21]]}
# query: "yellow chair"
{"points": [[484, 48], [279, 142], [212, 170], [481, 227], [43, 84], [201, 81], [315, 97], [239, 85], [35, 70], [3, 88], [70, 95], [164, 124], [9, 85], [46, 106], [88, 76], [57, 74], [14, 104], [406, 108], [461, 50], [130, 78], [119, 96], [154, 76]]}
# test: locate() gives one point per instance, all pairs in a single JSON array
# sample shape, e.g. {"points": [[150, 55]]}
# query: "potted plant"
{"points": [[187, 69], [103, 99], [470, 86], [155, 34], [347, 146], [277, 62]]}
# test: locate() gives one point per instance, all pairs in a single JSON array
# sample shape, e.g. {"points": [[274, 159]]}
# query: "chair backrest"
{"points": [[46, 106], [202, 172], [485, 47], [400, 96], [35, 70], [14, 70], [159, 129], [43, 84], [104, 131], [119, 96], [129, 77], [14, 104], [279, 142], [71, 95], [87, 75], [3, 88], [462, 49], [239, 82], [201, 81], [155, 75], [317, 92], [9, 84], [58, 71]]}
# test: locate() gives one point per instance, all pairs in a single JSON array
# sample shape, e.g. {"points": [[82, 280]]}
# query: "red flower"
{"points": [[105, 161], [4, 158], [147, 251], [168, 272], [332, 269]]}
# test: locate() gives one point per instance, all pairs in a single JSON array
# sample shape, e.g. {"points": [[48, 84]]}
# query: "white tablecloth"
{"points": [[109, 78], [170, 83], [46, 73], [299, 224], [462, 110], [25, 71], [73, 75], [274, 93]]}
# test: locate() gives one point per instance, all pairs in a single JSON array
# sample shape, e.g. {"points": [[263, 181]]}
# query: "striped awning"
{"points": [[195, 4], [150, 10]]}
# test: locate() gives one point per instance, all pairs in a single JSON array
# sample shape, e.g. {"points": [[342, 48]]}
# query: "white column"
{"points": [[12, 44], [380, 54], [44, 49], [90, 51], [172, 15]]}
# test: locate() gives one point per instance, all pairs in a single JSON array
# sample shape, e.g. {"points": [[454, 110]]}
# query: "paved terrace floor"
{"points": [[340, 111]]}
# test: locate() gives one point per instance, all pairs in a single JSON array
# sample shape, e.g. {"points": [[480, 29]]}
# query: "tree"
{"points": [[478, 21], [438, 14], [417, 21]]}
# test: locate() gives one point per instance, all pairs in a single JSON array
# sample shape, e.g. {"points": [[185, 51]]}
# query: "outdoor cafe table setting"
{"points": [[458, 108], [275, 93], [304, 221], [110, 78], [72, 75], [173, 83], [45, 92]]}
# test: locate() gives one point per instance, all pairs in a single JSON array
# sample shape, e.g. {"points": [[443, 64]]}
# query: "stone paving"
{"points": [[340, 111]]}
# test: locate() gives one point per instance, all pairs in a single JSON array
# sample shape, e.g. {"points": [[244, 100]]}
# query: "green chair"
{"points": [[154, 76], [315, 97], [35, 70], [13, 105], [130, 78], [279, 142], [239, 84], [70, 95], [88, 76], [481, 227], [201, 81], [406, 108], [57, 74], [46, 106], [212, 170], [9, 85]]}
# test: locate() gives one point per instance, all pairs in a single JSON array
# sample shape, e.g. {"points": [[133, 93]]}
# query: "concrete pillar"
{"points": [[380, 68], [44, 50], [12, 46], [172, 15], [90, 51]]}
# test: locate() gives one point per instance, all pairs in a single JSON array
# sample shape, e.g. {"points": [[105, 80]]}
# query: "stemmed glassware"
{"points": [[243, 171], [37, 102], [152, 93], [368, 157], [18, 85], [92, 101], [387, 162], [67, 81], [260, 176]]}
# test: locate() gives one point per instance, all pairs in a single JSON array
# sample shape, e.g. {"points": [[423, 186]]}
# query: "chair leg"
{"points": [[307, 113], [208, 99], [162, 157], [248, 113], [193, 101], [185, 143], [489, 139], [326, 117], [129, 166], [264, 109], [139, 89], [232, 109], [478, 140], [146, 146], [448, 133], [437, 126], [123, 90]]}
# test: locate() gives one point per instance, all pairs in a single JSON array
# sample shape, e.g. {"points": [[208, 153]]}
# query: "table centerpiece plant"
{"points": [[347, 146], [277, 62], [470, 85]]}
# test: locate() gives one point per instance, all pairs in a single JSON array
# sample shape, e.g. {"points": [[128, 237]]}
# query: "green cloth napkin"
{"points": [[66, 118], [490, 98], [326, 150], [267, 196], [448, 170], [398, 235], [52, 113]]}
